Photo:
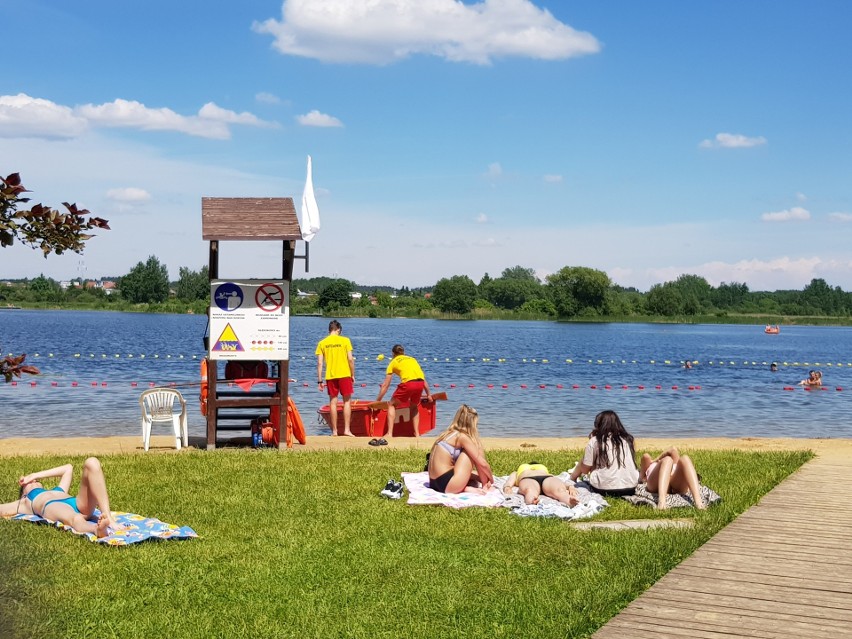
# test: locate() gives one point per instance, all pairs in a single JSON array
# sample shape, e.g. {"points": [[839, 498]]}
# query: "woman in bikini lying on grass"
{"points": [[534, 480], [457, 462], [57, 505]]}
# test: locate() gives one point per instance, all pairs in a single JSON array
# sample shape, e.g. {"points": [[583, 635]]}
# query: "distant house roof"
{"points": [[245, 218]]}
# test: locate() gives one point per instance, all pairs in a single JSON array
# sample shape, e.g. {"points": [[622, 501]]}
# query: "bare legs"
{"points": [[347, 416], [414, 408], [665, 477], [93, 493], [391, 418], [554, 488], [414, 416], [332, 414], [465, 479]]}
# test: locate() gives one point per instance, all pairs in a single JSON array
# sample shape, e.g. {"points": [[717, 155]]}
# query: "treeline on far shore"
{"points": [[574, 293]]}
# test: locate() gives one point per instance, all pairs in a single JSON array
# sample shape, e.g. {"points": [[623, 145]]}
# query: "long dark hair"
{"points": [[609, 431]]}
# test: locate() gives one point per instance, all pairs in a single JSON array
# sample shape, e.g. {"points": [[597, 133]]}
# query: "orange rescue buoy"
{"points": [[204, 390], [294, 424]]}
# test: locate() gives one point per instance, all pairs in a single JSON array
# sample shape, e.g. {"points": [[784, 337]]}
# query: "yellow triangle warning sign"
{"points": [[228, 341]]}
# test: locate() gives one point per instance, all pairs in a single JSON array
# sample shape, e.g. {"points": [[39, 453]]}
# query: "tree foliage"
{"points": [[41, 226], [335, 294], [455, 295], [192, 285], [146, 283], [578, 290]]}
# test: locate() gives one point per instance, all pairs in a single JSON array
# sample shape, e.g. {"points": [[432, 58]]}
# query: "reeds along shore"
{"points": [[841, 448]]}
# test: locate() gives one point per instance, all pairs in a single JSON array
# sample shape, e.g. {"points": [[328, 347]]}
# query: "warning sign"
{"points": [[269, 297], [228, 341], [249, 320]]}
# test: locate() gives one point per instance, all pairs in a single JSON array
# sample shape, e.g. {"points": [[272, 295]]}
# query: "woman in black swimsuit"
{"points": [[57, 505]]}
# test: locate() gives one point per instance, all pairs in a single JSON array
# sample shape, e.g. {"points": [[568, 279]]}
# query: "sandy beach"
{"points": [[836, 448]]}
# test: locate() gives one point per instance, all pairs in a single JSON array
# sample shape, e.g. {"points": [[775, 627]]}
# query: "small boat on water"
{"points": [[772, 329], [10, 307]]}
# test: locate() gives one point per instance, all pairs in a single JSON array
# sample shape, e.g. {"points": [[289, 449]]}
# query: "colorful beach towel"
{"points": [[642, 497], [419, 493], [134, 528]]}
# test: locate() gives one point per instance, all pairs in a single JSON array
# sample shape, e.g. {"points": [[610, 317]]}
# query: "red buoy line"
{"points": [[490, 386], [498, 360]]}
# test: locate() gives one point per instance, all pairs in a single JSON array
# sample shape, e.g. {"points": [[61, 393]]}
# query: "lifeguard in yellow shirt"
{"points": [[412, 384], [336, 351]]}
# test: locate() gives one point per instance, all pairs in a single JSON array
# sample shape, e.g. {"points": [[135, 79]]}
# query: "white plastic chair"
{"points": [[158, 405]]}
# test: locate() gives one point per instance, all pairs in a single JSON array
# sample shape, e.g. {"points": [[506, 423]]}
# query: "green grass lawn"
{"points": [[301, 545]]}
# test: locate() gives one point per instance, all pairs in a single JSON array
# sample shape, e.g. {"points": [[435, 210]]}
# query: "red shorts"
{"points": [[408, 393], [340, 386]]}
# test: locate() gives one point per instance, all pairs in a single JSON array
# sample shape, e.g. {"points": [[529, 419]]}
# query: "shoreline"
{"points": [[163, 444]]}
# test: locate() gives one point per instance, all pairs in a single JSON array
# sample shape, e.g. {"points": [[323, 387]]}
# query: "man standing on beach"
{"points": [[412, 384], [336, 351]]}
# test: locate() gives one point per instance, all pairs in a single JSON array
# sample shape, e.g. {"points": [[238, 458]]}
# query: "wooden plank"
{"points": [[724, 620], [811, 582], [236, 218], [736, 588]]}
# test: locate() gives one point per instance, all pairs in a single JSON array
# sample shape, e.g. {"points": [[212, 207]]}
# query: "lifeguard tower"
{"points": [[249, 319]]}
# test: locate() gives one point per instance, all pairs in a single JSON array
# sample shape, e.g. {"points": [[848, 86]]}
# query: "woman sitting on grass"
{"points": [[534, 480], [671, 472], [609, 458], [57, 505], [457, 462]]}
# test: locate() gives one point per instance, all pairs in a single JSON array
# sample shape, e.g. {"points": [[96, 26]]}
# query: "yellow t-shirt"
{"points": [[335, 351], [406, 367], [525, 467]]}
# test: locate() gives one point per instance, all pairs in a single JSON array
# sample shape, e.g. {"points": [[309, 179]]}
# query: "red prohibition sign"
{"points": [[269, 297]]}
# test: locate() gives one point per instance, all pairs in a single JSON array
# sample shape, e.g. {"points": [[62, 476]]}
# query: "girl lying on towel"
{"points": [[57, 505], [534, 480], [671, 472], [457, 461]]}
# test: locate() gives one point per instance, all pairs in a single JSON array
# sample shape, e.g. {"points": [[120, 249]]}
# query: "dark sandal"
{"points": [[374, 442], [382, 442]]}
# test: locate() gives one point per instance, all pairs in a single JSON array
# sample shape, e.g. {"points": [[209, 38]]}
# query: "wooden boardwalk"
{"points": [[782, 569]]}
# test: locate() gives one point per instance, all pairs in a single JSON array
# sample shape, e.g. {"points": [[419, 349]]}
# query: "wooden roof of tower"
{"points": [[249, 218]]}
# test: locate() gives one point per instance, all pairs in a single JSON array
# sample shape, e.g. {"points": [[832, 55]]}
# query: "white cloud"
{"points": [[840, 217], [780, 273], [801, 197], [482, 219], [22, 116], [25, 116], [384, 31], [211, 122], [794, 213], [552, 179], [267, 98], [211, 111], [128, 194], [315, 118], [732, 141], [494, 172]]}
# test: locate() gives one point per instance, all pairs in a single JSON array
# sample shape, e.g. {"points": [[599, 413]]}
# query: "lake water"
{"points": [[521, 376]]}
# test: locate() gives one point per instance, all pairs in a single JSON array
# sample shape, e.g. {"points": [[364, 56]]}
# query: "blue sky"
{"points": [[643, 139]]}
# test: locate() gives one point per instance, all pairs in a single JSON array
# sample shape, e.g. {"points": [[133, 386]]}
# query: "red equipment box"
{"points": [[367, 422]]}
